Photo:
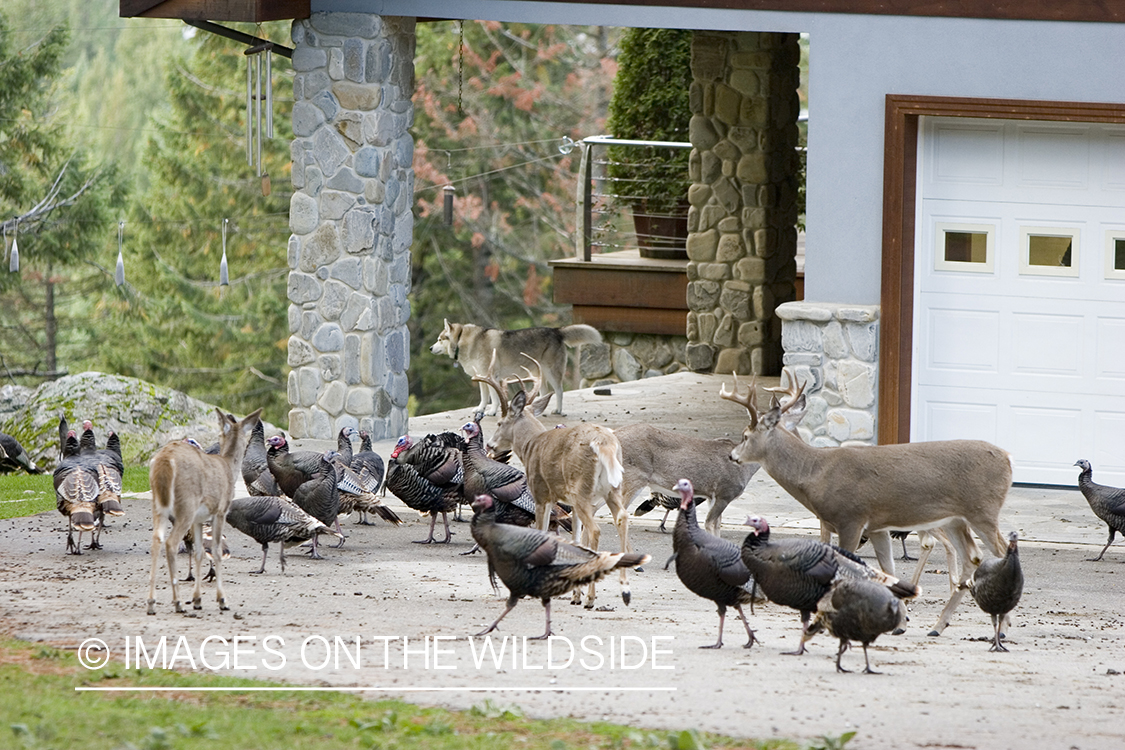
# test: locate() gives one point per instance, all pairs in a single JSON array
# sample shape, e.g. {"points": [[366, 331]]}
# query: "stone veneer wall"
{"points": [[835, 349], [742, 221], [352, 224], [622, 357]]}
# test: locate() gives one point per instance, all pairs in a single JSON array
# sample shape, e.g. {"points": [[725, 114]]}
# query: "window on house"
{"points": [[1115, 254], [1049, 251], [964, 247]]}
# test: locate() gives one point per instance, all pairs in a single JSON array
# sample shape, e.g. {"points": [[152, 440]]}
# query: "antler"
{"points": [[792, 391], [536, 380], [489, 378], [746, 401]]}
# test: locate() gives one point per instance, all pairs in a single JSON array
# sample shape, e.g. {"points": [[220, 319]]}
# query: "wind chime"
{"points": [[14, 258], [224, 279], [119, 273], [254, 98]]}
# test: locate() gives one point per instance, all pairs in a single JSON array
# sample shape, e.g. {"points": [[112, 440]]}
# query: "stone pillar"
{"points": [[834, 349], [742, 235], [352, 224]]}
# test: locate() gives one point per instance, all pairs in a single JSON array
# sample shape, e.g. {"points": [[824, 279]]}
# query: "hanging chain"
{"points": [[461, 71]]}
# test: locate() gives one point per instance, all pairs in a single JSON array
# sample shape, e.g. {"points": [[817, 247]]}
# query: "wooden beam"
{"points": [[633, 319], [250, 11]]}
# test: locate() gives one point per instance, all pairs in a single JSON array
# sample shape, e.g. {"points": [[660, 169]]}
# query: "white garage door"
{"points": [[1019, 313]]}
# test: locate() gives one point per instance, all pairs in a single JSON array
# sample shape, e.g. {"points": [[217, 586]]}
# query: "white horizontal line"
{"points": [[373, 689]]}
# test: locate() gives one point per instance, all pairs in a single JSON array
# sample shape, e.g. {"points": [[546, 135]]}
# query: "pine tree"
{"points": [[173, 323], [61, 199]]}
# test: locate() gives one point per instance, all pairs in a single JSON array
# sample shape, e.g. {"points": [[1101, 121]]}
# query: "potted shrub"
{"points": [[650, 102]]}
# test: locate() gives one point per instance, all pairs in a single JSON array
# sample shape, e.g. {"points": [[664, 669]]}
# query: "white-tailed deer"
{"points": [[950, 485], [658, 458], [191, 488], [580, 466]]}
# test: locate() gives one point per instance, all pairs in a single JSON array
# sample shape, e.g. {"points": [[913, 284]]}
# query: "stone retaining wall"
{"points": [[622, 357], [835, 350]]}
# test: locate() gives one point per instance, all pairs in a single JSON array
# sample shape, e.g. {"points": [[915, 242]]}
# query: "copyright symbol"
{"points": [[93, 653]]}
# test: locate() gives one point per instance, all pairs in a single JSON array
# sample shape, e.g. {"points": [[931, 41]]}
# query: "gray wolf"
{"points": [[471, 346]]}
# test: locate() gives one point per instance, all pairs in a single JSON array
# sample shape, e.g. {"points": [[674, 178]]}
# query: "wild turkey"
{"points": [[255, 469], [797, 573], [76, 494], [857, 609], [13, 457], [107, 466], [344, 443], [710, 566], [319, 497], [997, 585], [355, 495], [436, 482], [291, 469], [536, 563], [506, 484], [267, 519], [1108, 503], [667, 502], [368, 465], [188, 543]]}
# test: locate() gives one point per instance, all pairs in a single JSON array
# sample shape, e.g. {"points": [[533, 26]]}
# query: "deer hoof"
{"points": [[223, 605], [179, 608], [152, 606], [196, 604], [933, 634]]}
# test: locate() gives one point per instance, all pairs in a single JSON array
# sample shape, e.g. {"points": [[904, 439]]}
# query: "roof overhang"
{"points": [[252, 11]]}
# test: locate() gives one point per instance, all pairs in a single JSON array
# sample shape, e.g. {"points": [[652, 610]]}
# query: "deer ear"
{"points": [[793, 416], [539, 405], [518, 402]]}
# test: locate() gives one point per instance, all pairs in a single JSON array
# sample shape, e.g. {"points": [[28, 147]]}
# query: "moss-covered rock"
{"points": [[144, 416]]}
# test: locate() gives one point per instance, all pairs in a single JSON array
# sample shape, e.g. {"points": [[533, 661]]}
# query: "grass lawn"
{"points": [[28, 494], [42, 710]]}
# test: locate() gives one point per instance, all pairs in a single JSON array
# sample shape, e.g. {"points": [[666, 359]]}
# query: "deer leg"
{"points": [[157, 544], [925, 547], [217, 521], [511, 605], [170, 558], [593, 535], [197, 553], [621, 521], [966, 552], [714, 522], [881, 543]]}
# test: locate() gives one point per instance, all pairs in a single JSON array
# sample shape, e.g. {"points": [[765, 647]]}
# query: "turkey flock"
{"points": [[295, 497]]}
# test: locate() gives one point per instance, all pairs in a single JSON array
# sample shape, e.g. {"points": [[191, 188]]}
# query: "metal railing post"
{"points": [[585, 208]]}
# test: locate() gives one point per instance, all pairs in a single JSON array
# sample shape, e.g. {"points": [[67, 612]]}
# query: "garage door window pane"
{"points": [[1049, 251], [963, 247], [1115, 254]]}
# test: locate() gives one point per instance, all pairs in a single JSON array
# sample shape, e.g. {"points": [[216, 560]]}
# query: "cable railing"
{"points": [[629, 196]]}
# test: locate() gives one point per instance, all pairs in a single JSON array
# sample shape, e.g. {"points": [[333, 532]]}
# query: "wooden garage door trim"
{"points": [[900, 170]]}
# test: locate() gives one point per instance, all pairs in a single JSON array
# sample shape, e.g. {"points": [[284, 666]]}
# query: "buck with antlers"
{"points": [[951, 486], [580, 466]]}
